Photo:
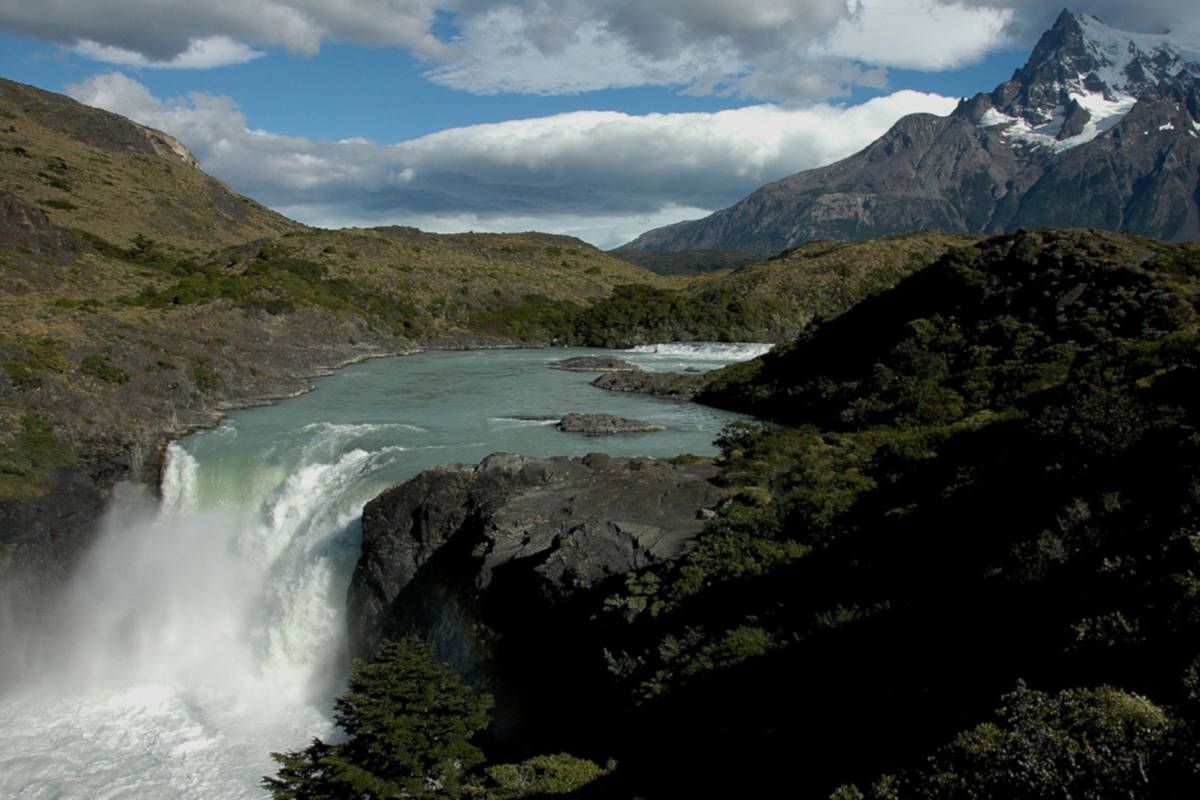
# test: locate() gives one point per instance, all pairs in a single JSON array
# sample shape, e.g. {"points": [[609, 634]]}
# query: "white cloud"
{"points": [[918, 34], [214, 51], [601, 174], [162, 31], [782, 49], [1032, 17]]}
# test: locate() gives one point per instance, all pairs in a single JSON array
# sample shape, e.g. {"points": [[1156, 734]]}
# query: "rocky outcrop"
{"points": [[592, 364], [476, 558], [28, 235], [679, 385], [604, 425]]}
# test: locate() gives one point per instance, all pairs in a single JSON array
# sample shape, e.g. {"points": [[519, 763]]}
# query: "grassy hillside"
{"points": [[141, 295], [770, 301], [97, 172]]}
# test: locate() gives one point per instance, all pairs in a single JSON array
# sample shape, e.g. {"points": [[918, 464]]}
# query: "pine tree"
{"points": [[409, 720]]}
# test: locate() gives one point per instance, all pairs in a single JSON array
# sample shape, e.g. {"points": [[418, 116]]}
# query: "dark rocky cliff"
{"points": [[499, 565]]}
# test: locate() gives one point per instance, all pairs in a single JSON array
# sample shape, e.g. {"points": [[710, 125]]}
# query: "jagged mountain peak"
{"points": [[1083, 78], [1121, 60]]}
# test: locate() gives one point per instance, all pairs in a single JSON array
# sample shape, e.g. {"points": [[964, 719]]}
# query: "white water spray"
{"points": [[199, 634]]}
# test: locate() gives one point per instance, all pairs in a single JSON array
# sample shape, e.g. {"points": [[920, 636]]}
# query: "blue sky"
{"points": [[340, 93], [598, 119]]}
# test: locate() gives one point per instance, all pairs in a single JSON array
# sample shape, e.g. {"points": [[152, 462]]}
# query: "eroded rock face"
{"points": [[466, 555], [604, 425]]}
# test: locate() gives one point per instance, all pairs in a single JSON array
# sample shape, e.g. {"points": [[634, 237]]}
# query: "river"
{"points": [[206, 628]]}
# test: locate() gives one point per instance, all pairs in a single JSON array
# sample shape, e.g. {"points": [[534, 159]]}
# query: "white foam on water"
{"points": [[518, 422], [361, 428], [705, 351]]}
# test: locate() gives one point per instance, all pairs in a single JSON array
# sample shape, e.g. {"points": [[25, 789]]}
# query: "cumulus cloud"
{"points": [[603, 175], [918, 34], [790, 50], [214, 51], [783, 49], [161, 32], [1032, 17]]}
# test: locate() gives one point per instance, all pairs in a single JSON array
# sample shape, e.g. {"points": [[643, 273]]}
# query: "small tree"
{"points": [[409, 721]]}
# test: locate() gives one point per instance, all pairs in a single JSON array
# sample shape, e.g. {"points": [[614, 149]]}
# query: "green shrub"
{"points": [[207, 379], [98, 366], [561, 773], [1080, 743], [408, 722]]}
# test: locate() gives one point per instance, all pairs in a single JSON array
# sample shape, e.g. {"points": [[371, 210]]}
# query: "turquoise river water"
{"points": [[205, 628]]}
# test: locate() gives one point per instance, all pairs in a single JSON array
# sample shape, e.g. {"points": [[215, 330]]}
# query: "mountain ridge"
{"points": [[1065, 126]]}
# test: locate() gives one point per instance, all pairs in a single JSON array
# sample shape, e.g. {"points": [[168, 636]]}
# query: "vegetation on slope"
{"points": [[994, 480], [139, 294], [686, 262], [771, 301], [967, 568]]}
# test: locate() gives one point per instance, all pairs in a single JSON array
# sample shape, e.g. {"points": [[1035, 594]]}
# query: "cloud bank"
{"points": [[793, 50], [603, 175]]}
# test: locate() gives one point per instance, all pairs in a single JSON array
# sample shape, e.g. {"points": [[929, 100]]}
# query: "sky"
{"points": [[595, 118]]}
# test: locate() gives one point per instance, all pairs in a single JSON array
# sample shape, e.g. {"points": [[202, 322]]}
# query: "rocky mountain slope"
{"points": [[1101, 128]]}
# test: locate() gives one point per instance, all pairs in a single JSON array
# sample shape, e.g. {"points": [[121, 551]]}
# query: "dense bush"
{"points": [[1089, 744]]}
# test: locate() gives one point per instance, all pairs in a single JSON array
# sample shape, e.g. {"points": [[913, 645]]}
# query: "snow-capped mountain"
{"points": [[1084, 78], [1100, 128]]}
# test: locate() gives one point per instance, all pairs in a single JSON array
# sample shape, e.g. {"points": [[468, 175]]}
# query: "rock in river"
{"points": [[593, 364], [679, 385], [604, 425]]}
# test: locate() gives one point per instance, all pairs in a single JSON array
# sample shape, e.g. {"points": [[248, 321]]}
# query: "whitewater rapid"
{"points": [[205, 628]]}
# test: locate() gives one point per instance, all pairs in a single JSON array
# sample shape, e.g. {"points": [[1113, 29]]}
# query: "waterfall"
{"points": [[201, 631]]}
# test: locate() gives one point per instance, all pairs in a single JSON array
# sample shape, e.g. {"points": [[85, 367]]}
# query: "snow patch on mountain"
{"points": [[1103, 115]]}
